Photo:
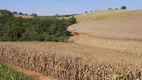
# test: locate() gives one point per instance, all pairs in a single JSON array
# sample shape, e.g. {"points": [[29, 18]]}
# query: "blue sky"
{"points": [[52, 7]]}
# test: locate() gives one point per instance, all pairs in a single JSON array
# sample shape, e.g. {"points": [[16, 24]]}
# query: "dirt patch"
{"points": [[35, 75]]}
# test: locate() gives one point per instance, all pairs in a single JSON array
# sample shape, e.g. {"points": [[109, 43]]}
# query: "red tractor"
{"points": [[76, 33]]}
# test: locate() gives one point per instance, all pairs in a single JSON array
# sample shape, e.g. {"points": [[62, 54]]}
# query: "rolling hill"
{"points": [[114, 24], [107, 14]]}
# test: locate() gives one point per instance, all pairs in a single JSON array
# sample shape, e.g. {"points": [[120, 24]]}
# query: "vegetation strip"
{"points": [[7, 73], [35, 29]]}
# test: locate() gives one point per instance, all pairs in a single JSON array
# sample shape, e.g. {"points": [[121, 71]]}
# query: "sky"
{"points": [[52, 7]]}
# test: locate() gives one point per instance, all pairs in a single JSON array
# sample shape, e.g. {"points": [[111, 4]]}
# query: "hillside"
{"points": [[107, 14], [128, 27]]}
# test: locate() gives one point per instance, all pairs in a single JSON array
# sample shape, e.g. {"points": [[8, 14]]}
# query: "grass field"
{"points": [[7, 73], [107, 14]]}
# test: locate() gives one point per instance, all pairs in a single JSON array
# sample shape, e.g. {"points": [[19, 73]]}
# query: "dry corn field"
{"points": [[88, 58]]}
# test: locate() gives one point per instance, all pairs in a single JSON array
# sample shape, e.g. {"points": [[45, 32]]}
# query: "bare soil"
{"points": [[121, 28]]}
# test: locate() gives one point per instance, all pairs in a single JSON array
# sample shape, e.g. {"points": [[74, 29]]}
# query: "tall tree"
{"points": [[26, 14], [20, 13]]}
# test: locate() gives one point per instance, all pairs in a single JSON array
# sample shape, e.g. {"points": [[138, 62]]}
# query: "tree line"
{"points": [[122, 8], [35, 29], [26, 14]]}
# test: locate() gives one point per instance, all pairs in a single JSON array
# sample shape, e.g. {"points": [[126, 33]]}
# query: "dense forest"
{"points": [[34, 29]]}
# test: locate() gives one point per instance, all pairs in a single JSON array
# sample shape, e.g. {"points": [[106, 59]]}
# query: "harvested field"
{"points": [[120, 28], [107, 14]]}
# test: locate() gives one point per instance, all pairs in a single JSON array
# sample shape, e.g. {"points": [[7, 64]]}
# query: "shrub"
{"points": [[116, 8], [86, 11], [110, 9], [123, 7]]}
